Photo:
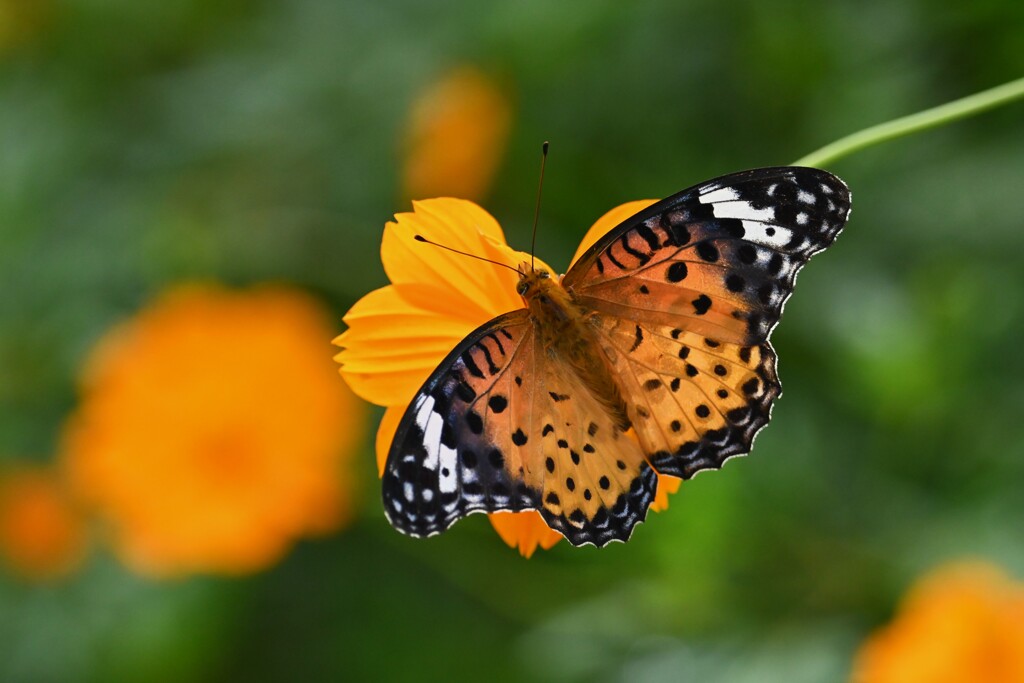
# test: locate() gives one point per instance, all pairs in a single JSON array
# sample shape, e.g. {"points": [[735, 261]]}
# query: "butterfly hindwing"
{"points": [[720, 258], [693, 401], [596, 483], [501, 426]]}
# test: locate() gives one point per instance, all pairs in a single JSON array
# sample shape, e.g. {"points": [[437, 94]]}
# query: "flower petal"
{"points": [[472, 289], [524, 531], [607, 222], [397, 335], [391, 346], [666, 486], [386, 434]]}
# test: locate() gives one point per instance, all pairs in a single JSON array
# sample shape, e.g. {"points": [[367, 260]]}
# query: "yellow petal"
{"points": [[467, 288], [386, 434], [666, 486], [397, 335], [457, 136], [391, 346], [524, 531], [609, 221]]}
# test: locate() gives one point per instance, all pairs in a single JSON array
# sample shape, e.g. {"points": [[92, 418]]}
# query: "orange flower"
{"points": [[398, 334], [961, 624], [42, 535], [211, 435], [457, 134]]}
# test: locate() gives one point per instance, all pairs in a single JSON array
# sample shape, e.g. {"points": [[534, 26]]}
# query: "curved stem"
{"points": [[930, 118]]}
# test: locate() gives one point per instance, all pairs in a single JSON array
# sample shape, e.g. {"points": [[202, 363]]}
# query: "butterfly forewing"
{"points": [[500, 426], [719, 259]]}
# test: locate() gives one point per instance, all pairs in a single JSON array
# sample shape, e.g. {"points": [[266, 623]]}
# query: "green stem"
{"points": [[930, 118]]}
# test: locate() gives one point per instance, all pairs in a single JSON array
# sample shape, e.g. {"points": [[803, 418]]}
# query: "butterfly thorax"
{"points": [[566, 331]]}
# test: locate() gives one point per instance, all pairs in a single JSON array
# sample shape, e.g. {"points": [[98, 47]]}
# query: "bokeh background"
{"points": [[146, 145]]}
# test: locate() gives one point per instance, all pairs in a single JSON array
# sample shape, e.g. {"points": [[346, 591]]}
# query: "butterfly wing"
{"points": [[693, 401], [686, 294], [499, 426], [721, 257]]}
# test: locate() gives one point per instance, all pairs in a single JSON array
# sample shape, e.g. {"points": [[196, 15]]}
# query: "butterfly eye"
{"points": [[522, 287]]}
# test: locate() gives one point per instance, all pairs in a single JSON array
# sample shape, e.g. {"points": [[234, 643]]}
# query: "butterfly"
{"points": [[651, 355]]}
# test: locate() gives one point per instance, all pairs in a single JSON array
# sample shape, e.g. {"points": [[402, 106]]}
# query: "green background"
{"points": [[142, 143]]}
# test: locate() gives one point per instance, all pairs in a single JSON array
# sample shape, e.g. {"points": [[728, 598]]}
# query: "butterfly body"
{"points": [[650, 356], [568, 335]]}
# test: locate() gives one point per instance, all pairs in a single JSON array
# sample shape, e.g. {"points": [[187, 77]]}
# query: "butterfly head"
{"points": [[544, 295], [533, 281]]}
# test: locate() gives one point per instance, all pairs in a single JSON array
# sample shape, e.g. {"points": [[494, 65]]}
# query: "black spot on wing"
{"points": [[676, 272]]}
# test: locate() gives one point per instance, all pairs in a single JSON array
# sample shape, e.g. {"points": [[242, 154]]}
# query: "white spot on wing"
{"points": [[806, 197], [448, 462], [722, 194], [744, 211], [758, 232], [801, 218], [423, 411], [430, 422]]}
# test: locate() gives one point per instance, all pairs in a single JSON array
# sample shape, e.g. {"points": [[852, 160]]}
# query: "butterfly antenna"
{"points": [[421, 238], [536, 210]]}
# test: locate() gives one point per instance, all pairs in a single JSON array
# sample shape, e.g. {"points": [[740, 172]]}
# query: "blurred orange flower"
{"points": [[457, 133], [211, 435], [42, 534], [961, 624], [398, 334]]}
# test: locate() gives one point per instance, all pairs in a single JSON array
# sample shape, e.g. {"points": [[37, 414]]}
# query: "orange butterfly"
{"points": [[661, 328]]}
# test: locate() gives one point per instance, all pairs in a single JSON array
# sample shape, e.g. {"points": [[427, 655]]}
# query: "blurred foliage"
{"points": [[146, 143]]}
